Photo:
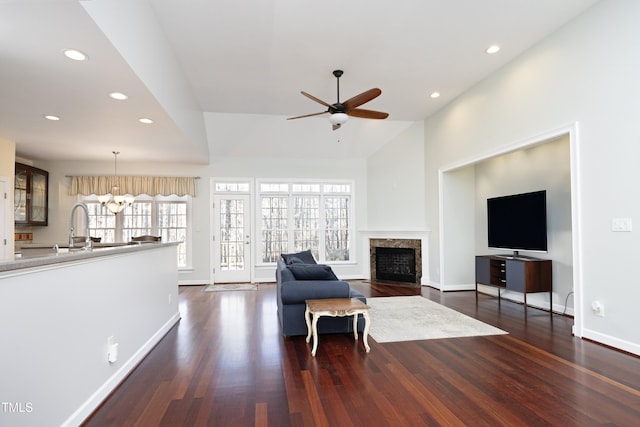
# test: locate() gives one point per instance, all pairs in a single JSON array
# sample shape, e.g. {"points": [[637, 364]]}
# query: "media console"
{"points": [[519, 274]]}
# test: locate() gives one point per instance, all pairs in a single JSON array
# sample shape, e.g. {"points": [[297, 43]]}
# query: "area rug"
{"points": [[411, 318], [231, 287]]}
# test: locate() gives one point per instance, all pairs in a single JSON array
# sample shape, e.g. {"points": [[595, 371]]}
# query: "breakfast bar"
{"points": [[76, 323]]}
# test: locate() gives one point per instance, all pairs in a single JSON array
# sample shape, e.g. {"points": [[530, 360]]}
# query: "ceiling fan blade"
{"points": [[367, 114], [358, 100], [319, 101], [307, 115]]}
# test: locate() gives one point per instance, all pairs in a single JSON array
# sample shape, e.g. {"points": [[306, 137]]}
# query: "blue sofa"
{"points": [[297, 282]]}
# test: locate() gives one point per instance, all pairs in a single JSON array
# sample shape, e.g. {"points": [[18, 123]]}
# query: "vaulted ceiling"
{"points": [[219, 78]]}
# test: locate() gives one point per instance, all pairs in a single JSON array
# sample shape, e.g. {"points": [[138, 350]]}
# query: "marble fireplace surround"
{"points": [[394, 239]]}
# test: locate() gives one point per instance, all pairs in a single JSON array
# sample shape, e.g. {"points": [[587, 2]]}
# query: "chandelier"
{"points": [[115, 201]]}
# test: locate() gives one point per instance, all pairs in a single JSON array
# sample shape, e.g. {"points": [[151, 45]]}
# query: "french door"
{"points": [[232, 238]]}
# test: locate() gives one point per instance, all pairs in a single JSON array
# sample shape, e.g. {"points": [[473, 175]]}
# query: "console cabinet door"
{"points": [[483, 270], [529, 276], [516, 276]]}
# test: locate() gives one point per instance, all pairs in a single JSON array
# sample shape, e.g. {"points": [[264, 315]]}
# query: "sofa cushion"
{"points": [[297, 292], [312, 272], [304, 257]]}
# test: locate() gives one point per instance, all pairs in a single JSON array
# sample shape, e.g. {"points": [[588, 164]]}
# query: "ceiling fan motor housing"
{"points": [[337, 108]]}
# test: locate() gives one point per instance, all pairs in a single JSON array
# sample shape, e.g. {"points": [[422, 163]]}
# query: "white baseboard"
{"points": [[431, 284], [193, 283], [103, 391], [460, 287], [611, 341]]}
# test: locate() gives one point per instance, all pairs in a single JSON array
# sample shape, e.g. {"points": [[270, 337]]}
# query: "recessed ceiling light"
{"points": [[435, 95], [76, 55], [145, 121], [493, 49], [119, 96], [52, 117]]}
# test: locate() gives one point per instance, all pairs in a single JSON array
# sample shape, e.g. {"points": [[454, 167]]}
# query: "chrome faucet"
{"points": [[87, 243]]}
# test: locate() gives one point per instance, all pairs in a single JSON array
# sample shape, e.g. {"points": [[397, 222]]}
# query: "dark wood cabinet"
{"points": [[31, 196], [525, 275]]}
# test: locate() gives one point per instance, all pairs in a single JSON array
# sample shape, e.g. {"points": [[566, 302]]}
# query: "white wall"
{"points": [[395, 181], [542, 167], [585, 73], [457, 225]]}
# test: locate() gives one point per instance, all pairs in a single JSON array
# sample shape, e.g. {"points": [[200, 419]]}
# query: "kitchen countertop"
{"points": [[79, 245], [99, 250]]}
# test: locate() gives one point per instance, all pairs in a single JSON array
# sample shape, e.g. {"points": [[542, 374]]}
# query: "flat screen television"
{"points": [[518, 222]]}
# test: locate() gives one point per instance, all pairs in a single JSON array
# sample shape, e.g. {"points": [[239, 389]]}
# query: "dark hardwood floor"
{"points": [[226, 364]]}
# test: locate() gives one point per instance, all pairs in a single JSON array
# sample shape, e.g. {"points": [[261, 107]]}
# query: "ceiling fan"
{"points": [[340, 111]]}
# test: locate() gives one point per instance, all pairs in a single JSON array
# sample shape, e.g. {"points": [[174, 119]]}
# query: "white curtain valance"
{"points": [[134, 185]]}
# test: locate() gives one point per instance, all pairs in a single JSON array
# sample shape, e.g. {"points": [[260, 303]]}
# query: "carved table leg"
{"points": [[355, 326], [315, 334], [365, 334], [307, 318]]}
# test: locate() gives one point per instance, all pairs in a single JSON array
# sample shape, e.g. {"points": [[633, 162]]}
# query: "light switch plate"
{"points": [[621, 224]]}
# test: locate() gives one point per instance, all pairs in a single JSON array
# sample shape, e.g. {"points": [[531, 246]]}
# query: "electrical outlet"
{"points": [[598, 308], [112, 350]]}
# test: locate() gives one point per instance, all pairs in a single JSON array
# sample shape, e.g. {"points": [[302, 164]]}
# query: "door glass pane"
{"points": [[38, 197], [20, 197], [232, 235]]}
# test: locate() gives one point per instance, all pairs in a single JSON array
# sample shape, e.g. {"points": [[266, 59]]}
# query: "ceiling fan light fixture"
{"points": [[338, 118]]}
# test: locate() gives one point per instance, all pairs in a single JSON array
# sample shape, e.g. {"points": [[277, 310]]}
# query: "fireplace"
{"points": [[396, 264], [397, 260]]}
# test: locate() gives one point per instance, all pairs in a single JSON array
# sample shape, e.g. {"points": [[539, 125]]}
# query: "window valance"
{"points": [[134, 185]]}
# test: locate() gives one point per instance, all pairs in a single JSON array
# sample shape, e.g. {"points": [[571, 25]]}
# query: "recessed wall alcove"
{"points": [[465, 187]]}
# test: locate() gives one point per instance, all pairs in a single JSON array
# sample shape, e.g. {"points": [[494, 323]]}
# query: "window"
{"points": [[102, 223], [162, 216], [232, 187], [137, 220], [172, 225], [275, 235], [337, 228], [306, 221], [299, 216]]}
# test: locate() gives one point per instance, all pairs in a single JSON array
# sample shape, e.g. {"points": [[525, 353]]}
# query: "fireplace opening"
{"points": [[397, 264]]}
